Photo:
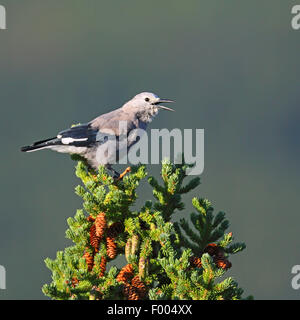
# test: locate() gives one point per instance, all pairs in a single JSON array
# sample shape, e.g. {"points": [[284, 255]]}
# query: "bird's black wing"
{"points": [[83, 135]]}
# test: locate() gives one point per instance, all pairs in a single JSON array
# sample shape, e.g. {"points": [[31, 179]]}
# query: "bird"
{"points": [[92, 140]]}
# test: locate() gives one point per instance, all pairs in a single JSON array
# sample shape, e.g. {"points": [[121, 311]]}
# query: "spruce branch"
{"points": [[164, 259]]}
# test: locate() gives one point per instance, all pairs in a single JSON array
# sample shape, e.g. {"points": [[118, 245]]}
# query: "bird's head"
{"points": [[146, 105]]}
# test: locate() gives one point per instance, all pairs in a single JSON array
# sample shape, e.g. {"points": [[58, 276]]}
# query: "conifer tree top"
{"points": [[165, 258]]}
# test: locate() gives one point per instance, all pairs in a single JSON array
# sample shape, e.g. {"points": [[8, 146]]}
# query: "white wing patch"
{"points": [[70, 140]]}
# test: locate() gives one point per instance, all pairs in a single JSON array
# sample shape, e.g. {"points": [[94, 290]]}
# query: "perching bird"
{"points": [[91, 140]]}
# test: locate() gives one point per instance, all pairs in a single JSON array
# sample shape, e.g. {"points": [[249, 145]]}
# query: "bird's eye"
{"points": [[147, 99]]}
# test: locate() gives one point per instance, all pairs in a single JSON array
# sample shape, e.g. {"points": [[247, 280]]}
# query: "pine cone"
{"points": [[222, 263], [94, 239], [143, 267], [89, 260], [211, 249], [100, 224], [128, 248], [111, 248], [135, 243], [125, 274], [139, 285], [195, 262], [74, 282], [130, 292], [214, 250], [90, 218], [102, 266]]}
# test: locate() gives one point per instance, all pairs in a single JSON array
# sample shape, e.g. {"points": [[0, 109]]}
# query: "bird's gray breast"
{"points": [[135, 134]]}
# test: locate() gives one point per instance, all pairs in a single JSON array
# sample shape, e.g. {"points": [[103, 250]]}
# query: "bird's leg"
{"points": [[117, 176], [128, 169]]}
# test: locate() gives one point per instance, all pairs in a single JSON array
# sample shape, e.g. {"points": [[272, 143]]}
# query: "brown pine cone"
{"points": [[214, 250], [195, 262], [100, 224], [75, 281], [220, 254], [111, 248], [125, 274], [89, 260], [139, 285], [102, 266], [211, 249], [94, 239], [130, 292], [222, 263], [90, 218]]}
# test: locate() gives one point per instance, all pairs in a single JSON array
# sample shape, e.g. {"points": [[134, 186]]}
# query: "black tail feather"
{"points": [[41, 144], [30, 148]]}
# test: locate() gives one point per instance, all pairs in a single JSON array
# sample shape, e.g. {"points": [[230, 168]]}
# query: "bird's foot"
{"points": [[121, 176]]}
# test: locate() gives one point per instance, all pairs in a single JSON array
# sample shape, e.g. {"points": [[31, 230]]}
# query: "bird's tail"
{"points": [[41, 145]]}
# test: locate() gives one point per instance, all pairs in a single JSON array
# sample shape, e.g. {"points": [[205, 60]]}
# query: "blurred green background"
{"points": [[231, 66]]}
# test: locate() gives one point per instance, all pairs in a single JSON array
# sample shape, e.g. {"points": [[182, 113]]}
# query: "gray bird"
{"points": [[91, 140]]}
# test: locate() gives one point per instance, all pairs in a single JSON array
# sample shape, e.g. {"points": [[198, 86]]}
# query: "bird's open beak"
{"points": [[164, 101]]}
